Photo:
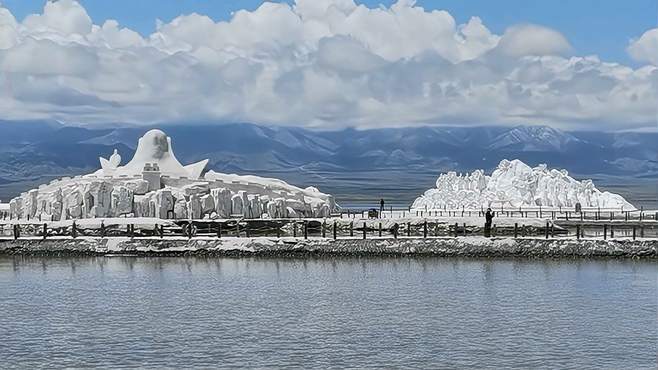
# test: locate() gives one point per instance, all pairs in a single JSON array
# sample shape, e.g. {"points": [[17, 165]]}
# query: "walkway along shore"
{"points": [[440, 236]]}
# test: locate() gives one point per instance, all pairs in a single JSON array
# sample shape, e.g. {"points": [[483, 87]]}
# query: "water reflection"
{"points": [[327, 312]]}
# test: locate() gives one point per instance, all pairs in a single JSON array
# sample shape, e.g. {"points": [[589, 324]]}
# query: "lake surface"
{"points": [[338, 312]]}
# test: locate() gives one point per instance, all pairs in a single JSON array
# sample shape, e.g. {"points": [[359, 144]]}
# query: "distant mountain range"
{"points": [[31, 152]]}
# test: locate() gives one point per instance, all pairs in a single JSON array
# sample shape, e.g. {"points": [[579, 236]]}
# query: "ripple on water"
{"points": [[178, 312]]}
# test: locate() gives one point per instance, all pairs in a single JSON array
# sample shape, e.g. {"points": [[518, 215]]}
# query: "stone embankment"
{"points": [[447, 247]]}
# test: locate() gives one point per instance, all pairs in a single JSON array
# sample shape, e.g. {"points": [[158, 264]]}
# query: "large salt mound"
{"points": [[155, 184], [515, 184]]}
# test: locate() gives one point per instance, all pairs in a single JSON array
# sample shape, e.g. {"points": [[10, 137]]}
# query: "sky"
{"points": [[327, 64], [601, 27]]}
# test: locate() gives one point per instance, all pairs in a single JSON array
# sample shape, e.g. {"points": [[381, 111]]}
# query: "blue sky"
{"points": [[601, 27]]}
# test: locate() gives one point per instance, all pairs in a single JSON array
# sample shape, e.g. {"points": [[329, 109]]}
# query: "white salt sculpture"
{"points": [[515, 184], [155, 184]]}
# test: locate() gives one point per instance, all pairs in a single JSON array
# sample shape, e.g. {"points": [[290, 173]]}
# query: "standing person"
{"points": [[487, 223], [381, 206]]}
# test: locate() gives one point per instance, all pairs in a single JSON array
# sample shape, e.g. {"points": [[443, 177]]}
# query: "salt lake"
{"points": [[327, 312]]}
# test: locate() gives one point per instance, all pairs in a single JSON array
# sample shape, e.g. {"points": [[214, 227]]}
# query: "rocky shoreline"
{"points": [[294, 247]]}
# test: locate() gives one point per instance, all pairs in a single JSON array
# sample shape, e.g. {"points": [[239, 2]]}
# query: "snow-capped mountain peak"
{"points": [[533, 138]]}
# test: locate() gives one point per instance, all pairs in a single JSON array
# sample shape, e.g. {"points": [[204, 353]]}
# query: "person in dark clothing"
{"points": [[487, 223], [395, 230], [381, 206]]}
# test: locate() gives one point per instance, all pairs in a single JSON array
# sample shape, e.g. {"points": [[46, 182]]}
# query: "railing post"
{"points": [[364, 230], [305, 229], [605, 231], [516, 230], [425, 230], [612, 231], [351, 228], [546, 231], [335, 232], [633, 232]]}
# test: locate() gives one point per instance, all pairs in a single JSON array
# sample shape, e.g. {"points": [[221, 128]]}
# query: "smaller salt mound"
{"points": [[515, 184]]}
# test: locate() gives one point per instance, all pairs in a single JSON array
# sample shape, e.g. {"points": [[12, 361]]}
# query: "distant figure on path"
{"points": [[487, 224], [381, 206]]}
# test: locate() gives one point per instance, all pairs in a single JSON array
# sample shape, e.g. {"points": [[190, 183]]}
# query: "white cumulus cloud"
{"points": [[645, 49], [316, 63], [531, 39]]}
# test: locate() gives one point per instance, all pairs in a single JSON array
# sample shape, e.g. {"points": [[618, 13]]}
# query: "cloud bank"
{"points": [[317, 63]]}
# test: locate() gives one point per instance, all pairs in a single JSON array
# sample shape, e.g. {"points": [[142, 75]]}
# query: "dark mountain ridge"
{"points": [[32, 151]]}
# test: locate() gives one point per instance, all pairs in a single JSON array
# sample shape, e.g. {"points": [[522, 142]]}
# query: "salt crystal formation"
{"points": [[515, 184], [155, 184]]}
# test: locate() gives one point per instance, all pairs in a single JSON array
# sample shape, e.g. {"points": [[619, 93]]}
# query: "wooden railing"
{"points": [[332, 229]]}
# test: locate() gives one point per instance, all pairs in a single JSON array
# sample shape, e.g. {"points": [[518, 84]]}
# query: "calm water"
{"points": [[425, 313]]}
